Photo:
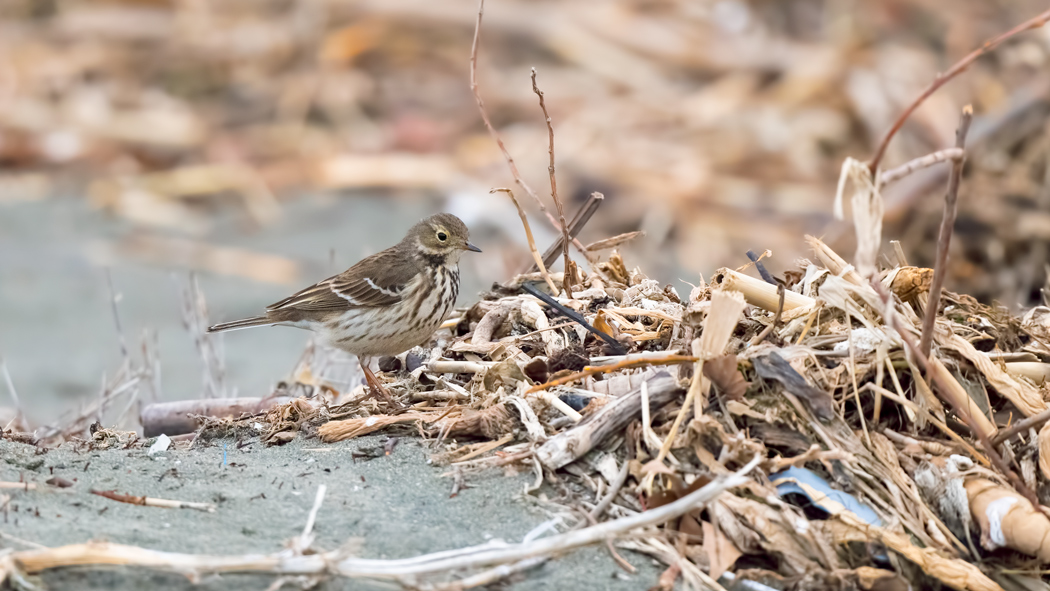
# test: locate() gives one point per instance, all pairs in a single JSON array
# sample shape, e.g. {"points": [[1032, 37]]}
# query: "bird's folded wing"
{"points": [[380, 280]]}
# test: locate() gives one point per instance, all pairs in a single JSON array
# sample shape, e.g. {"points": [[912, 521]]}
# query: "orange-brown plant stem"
{"points": [[960, 66], [951, 199], [590, 371]]}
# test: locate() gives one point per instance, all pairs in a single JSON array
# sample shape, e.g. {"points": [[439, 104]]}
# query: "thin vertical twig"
{"points": [[567, 275], [195, 319], [951, 199], [113, 299], [536, 258], [941, 79], [495, 135]]}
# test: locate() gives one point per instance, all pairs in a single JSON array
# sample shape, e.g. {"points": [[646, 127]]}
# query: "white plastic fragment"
{"points": [[864, 340], [995, 512], [160, 445]]}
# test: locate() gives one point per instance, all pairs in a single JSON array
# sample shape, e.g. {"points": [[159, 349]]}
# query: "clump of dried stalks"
{"points": [[919, 415]]}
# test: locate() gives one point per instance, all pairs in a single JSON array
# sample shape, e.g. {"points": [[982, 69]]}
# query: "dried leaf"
{"points": [[774, 367], [723, 372], [721, 553], [909, 282]]}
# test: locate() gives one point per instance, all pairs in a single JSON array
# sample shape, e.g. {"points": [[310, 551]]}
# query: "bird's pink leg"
{"points": [[378, 391]]}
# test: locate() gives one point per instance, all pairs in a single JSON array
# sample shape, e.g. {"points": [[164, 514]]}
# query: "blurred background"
{"points": [[266, 144]]}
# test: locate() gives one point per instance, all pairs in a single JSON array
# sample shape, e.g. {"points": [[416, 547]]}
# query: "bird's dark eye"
{"points": [[442, 236]]}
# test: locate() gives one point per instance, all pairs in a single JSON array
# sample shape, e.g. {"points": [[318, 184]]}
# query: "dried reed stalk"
{"points": [[726, 307], [349, 428], [758, 292], [953, 572]]}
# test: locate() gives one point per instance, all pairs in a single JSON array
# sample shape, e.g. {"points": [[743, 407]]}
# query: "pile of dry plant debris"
{"points": [[845, 426], [783, 433]]}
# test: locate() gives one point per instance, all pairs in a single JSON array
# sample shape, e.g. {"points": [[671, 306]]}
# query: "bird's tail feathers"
{"points": [[239, 324]]}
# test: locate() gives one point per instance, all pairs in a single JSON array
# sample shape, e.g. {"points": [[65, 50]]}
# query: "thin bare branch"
{"points": [[576, 224], [941, 79], [923, 362], [951, 199], [492, 130], [567, 276], [896, 174]]}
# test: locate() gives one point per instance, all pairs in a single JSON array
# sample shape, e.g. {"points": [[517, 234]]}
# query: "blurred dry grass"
{"points": [[714, 126]]}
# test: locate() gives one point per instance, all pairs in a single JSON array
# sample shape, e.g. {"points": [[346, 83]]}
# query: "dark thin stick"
{"points": [[942, 79], [913, 348], [951, 199], [766, 275], [615, 345], [1032, 422], [776, 319], [492, 130], [567, 275], [575, 226]]}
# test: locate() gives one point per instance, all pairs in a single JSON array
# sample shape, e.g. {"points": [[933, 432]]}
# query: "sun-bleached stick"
{"points": [[408, 571]]}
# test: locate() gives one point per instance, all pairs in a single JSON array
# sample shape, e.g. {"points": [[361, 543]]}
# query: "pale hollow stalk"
{"points": [[1033, 370], [758, 292], [835, 264]]}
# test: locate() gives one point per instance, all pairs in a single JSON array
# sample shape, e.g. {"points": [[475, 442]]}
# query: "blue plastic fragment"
{"points": [[808, 484]]}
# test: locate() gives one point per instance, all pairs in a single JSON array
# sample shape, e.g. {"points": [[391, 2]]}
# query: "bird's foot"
{"points": [[379, 393]]}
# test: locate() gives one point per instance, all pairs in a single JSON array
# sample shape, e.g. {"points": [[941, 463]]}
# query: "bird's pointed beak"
{"points": [[472, 248]]}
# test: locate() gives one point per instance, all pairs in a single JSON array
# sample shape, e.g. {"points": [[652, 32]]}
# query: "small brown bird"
{"points": [[385, 304]]}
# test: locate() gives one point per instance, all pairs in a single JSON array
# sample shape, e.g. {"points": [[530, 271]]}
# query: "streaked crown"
{"points": [[440, 239]]}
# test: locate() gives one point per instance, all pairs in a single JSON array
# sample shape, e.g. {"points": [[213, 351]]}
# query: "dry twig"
{"points": [[492, 130], [944, 240], [941, 79], [154, 502], [567, 277]]}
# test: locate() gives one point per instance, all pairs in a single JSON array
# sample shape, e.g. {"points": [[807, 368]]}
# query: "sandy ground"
{"points": [[397, 506]]}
